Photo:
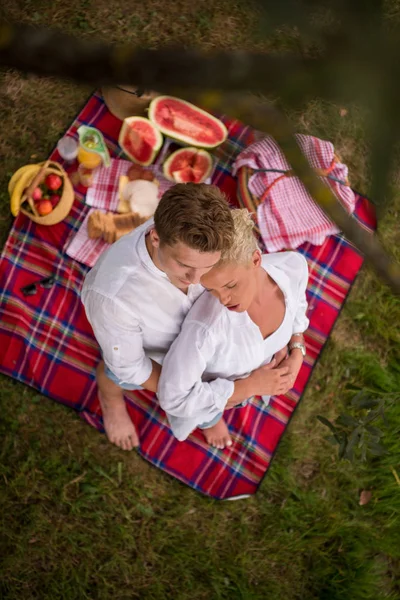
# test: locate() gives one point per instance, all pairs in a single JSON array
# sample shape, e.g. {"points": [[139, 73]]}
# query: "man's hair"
{"points": [[197, 215], [244, 242]]}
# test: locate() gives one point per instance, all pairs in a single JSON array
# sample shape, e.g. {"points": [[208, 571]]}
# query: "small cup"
{"points": [[68, 148]]}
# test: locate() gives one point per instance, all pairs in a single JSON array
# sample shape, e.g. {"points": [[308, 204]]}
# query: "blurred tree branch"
{"points": [[340, 72]]}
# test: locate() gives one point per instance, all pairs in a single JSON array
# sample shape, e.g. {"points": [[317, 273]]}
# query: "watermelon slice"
{"points": [[140, 140], [186, 122], [188, 164]]}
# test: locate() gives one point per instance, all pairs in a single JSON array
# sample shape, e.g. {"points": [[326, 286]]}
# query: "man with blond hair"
{"points": [[140, 290]]}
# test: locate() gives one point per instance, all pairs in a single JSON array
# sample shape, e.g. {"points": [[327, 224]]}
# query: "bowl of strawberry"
{"points": [[49, 197]]}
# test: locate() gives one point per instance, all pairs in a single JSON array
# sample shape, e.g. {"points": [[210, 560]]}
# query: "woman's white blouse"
{"points": [[217, 346]]}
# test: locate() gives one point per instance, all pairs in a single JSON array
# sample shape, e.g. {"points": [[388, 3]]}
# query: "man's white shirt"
{"points": [[217, 346], [133, 308]]}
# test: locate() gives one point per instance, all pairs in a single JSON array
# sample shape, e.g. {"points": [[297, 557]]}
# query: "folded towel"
{"points": [[287, 215]]}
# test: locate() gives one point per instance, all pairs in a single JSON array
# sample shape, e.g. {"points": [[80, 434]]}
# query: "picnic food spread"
{"points": [[44, 192]]}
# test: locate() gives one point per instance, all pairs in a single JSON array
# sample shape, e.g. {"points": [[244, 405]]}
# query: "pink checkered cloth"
{"points": [[287, 216], [103, 195]]}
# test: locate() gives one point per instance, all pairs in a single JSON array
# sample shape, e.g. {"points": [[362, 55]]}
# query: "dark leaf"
{"points": [[376, 448], [374, 431], [327, 423], [363, 452], [370, 417], [342, 447], [346, 420], [358, 398], [382, 414], [353, 439], [333, 439], [368, 403]]}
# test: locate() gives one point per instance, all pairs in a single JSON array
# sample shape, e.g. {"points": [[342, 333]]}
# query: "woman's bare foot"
{"points": [[118, 425], [218, 435]]}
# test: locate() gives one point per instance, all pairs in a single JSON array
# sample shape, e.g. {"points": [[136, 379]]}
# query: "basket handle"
{"points": [[36, 180], [54, 165]]}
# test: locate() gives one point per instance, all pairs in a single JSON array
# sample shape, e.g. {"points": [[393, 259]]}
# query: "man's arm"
{"points": [[120, 338], [152, 382]]}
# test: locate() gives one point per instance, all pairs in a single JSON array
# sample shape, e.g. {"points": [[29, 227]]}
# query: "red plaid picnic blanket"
{"points": [[286, 214], [47, 343]]}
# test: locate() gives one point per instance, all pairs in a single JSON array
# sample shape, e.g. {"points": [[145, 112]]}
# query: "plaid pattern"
{"points": [[104, 191], [84, 249], [47, 343], [286, 214], [103, 194]]}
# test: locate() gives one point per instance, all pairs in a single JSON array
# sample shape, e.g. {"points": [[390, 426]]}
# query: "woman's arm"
{"points": [[181, 391]]}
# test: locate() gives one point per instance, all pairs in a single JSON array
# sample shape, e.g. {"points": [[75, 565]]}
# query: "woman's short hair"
{"points": [[197, 215], [244, 243]]}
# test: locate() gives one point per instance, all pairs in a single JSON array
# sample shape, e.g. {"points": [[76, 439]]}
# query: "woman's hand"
{"points": [[294, 362], [271, 380], [280, 356]]}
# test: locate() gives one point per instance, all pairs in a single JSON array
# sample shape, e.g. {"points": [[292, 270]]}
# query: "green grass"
{"points": [[81, 519]]}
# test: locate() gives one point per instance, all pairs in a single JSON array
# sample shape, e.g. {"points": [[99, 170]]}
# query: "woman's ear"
{"points": [[256, 258]]}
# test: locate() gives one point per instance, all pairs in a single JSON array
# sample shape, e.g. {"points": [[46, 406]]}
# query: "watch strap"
{"points": [[298, 345]]}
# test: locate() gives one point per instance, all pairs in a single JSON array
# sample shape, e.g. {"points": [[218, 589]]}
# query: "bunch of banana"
{"points": [[19, 182]]}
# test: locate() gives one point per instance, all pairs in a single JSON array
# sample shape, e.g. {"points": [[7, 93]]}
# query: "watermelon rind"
{"points": [[186, 139], [168, 174], [157, 136]]}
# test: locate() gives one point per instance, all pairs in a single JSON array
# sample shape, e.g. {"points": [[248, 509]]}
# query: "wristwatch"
{"points": [[300, 346]]}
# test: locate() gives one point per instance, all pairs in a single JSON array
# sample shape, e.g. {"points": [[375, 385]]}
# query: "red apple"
{"points": [[44, 207], [54, 199], [37, 194], [53, 181]]}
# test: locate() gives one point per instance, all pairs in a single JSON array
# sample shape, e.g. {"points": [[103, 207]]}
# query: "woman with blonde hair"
{"points": [[235, 336]]}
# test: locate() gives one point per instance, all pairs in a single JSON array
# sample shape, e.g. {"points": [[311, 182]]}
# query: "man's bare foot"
{"points": [[118, 425], [218, 435]]}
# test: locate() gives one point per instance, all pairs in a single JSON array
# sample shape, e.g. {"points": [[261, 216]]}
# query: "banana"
{"points": [[17, 175], [17, 186]]}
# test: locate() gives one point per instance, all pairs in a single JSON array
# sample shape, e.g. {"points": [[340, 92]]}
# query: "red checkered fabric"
{"points": [[286, 214], [47, 343], [103, 195]]}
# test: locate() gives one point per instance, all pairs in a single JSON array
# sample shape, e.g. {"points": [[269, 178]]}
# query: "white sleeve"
{"points": [[181, 391], [301, 321], [120, 338]]}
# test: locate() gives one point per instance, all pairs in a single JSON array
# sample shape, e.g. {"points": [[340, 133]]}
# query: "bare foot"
{"points": [[218, 435], [118, 425]]}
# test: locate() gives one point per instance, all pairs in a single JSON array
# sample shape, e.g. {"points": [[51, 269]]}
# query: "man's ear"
{"points": [[155, 240], [256, 258]]}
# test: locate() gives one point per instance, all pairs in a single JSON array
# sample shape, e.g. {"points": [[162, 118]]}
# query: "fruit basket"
{"points": [[42, 192]]}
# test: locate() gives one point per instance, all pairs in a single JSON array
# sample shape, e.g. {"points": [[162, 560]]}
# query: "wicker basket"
{"points": [[65, 203], [122, 102]]}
